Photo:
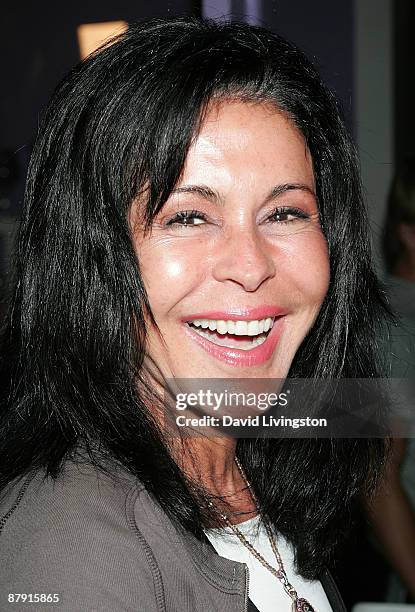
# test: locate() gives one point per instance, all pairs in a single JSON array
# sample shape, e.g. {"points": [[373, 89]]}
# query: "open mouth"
{"points": [[243, 335]]}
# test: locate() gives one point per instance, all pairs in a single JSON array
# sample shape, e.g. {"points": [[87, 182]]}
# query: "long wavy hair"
{"points": [[73, 343]]}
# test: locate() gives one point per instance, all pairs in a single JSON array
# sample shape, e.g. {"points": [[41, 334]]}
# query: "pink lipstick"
{"points": [[241, 314], [234, 356]]}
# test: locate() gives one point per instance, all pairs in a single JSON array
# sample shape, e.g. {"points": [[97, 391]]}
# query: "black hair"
{"points": [[400, 209], [118, 125]]}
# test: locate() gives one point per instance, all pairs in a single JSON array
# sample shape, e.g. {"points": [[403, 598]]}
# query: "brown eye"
{"points": [[287, 215], [187, 218]]}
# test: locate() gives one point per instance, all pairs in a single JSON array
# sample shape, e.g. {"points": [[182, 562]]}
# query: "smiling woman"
{"points": [[193, 211], [236, 233]]}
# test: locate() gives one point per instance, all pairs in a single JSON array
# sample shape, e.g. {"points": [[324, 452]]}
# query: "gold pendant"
{"points": [[301, 605]]}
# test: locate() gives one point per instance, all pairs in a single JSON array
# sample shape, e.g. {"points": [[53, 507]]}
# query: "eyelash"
{"points": [[185, 215]]}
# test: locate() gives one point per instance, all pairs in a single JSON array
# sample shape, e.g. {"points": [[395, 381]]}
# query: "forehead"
{"points": [[249, 138]]}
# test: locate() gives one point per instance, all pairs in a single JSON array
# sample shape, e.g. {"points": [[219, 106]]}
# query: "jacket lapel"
{"points": [[326, 579]]}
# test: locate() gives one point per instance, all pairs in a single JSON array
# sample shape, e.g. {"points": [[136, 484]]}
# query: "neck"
{"points": [[211, 463], [204, 459]]}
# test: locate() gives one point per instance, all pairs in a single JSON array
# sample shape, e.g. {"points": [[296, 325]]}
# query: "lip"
{"points": [[239, 314], [238, 357]]}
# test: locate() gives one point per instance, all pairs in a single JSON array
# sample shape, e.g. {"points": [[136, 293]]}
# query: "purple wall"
{"points": [[321, 28], [324, 30]]}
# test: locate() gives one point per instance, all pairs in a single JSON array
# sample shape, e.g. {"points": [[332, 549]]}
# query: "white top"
{"points": [[265, 590]]}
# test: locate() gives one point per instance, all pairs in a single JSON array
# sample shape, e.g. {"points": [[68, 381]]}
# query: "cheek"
{"points": [[169, 272], [309, 269]]}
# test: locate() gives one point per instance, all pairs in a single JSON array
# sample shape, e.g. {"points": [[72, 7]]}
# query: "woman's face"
{"points": [[236, 265]]}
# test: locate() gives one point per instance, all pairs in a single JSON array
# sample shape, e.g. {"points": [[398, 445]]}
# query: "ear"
{"points": [[406, 234]]}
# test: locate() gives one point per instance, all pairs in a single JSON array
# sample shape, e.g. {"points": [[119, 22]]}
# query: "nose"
{"points": [[245, 258]]}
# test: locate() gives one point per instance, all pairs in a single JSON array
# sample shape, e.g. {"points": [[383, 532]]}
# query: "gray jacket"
{"points": [[102, 544]]}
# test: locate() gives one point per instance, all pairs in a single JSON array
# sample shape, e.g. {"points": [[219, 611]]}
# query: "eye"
{"points": [[287, 214], [192, 218], [187, 218]]}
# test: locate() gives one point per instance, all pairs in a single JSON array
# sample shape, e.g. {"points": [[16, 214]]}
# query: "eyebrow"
{"points": [[216, 198]]}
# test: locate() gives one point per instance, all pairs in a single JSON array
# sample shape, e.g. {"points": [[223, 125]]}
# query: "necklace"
{"points": [[299, 603]]}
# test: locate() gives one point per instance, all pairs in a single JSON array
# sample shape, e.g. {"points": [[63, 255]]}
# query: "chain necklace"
{"points": [[299, 603]]}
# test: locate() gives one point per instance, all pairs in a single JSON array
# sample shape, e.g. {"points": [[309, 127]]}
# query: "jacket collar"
{"points": [[227, 575]]}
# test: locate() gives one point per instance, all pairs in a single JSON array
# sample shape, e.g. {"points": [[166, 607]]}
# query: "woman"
{"points": [[187, 172]]}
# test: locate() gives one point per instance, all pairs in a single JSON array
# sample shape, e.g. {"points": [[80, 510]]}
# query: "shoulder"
{"points": [[72, 536], [36, 503]]}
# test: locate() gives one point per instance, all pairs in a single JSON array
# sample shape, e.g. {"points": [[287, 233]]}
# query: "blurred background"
{"points": [[363, 49]]}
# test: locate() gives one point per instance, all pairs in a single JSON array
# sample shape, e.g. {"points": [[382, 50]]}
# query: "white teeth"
{"points": [[253, 328], [231, 327], [241, 328], [238, 328], [257, 341], [221, 327]]}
